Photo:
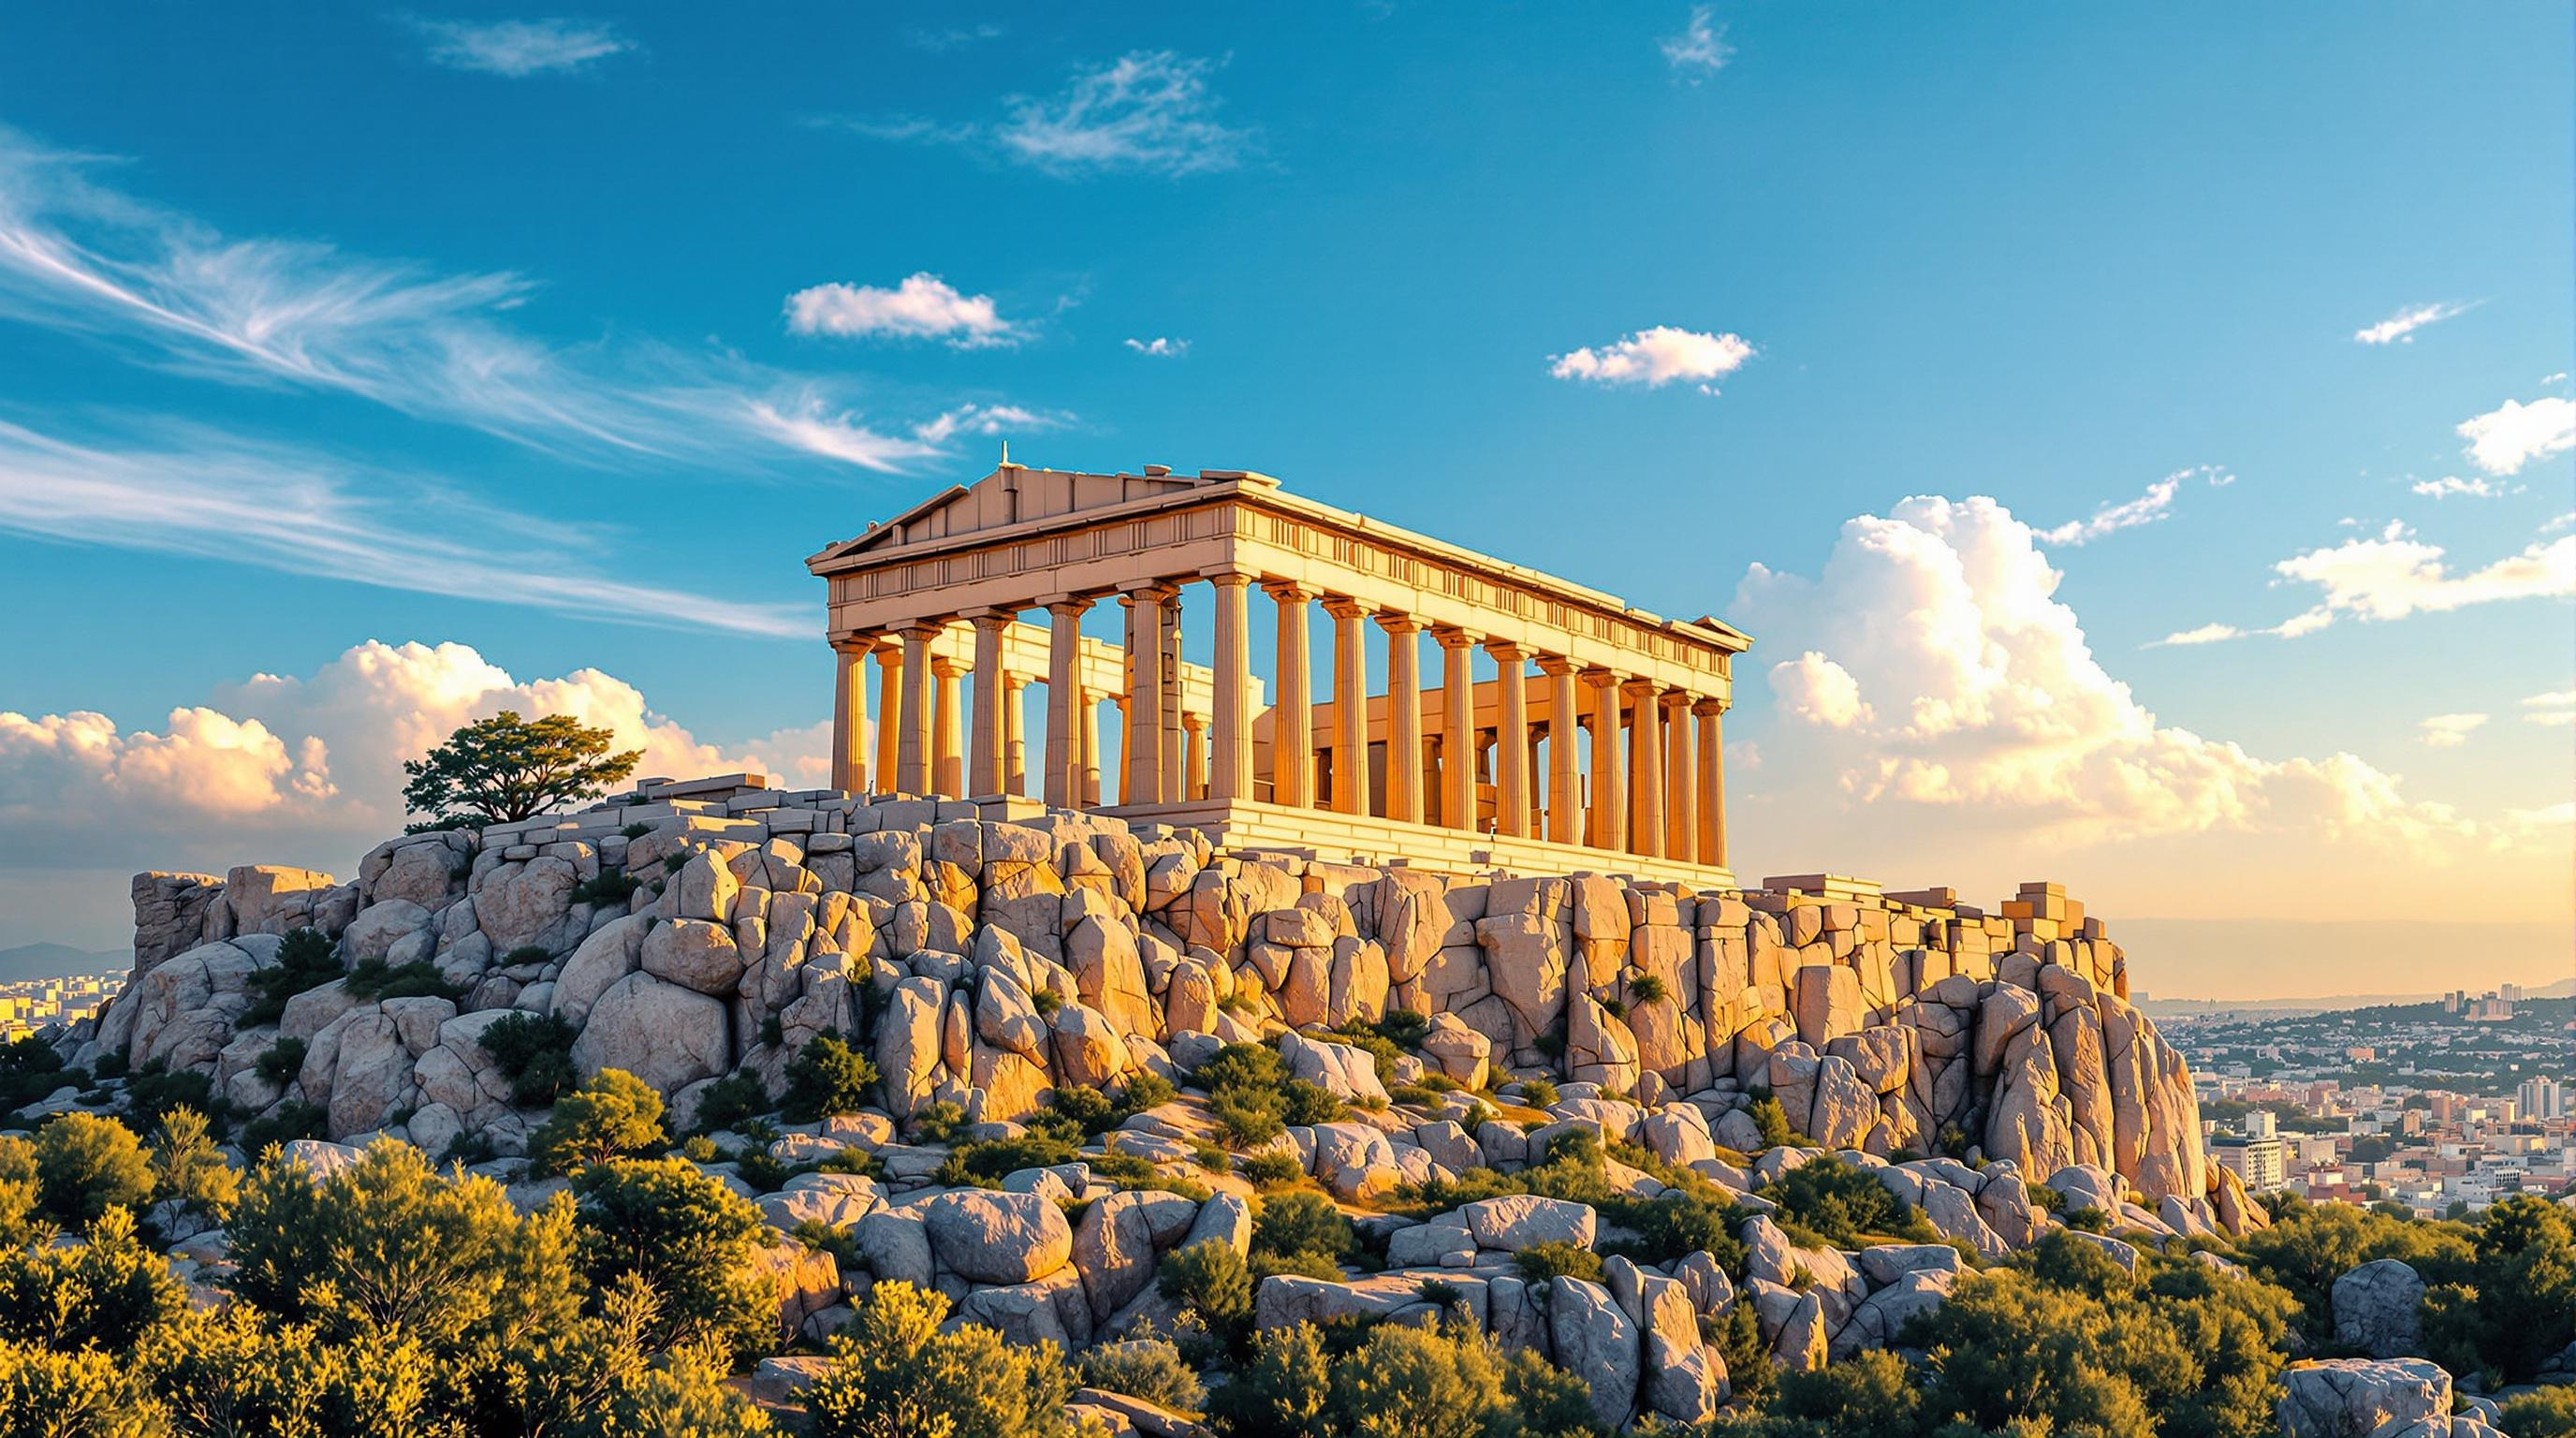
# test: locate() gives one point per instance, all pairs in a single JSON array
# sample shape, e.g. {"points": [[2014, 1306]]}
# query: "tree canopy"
{"points": [[505, 768]]}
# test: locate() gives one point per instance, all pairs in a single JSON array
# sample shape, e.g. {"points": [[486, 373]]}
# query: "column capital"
{"points": [[1503, 650], [1450, 636], [948, 668], [1288, 591], [1676, 698], [1228, 574], [1640, 688], [1398, 622], [1601, 678], [990, 618], [1158, 590], [1343, 606], [924, 630], [1703, 706], [1072, 605], [1556, 665]]}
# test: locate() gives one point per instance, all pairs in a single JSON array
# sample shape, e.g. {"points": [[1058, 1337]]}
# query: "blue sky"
{"points": [[304, 312]]}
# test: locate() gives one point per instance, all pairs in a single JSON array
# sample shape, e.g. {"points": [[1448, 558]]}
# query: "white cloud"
{"points": [[2564, 521], [2400, 327], [275, 313], [2450, 731], [193, 491], [520, 48], [2205, 634], [2506, 438], [957, 37], [987, 419], [1974, 700], [309, 770], [2556, 710], [923, 306], [1161, 347], [1655, 357], [1147, 111], [2395, 575], [807, 423], [1701, 49], [2147, 508], [2451, 484]]}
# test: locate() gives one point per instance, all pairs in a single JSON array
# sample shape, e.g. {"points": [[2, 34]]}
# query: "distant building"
{"points": [[2541, 1099], [2261, 1162]]}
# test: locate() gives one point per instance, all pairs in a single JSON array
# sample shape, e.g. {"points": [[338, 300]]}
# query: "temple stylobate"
{"points": [[1565, 730]]}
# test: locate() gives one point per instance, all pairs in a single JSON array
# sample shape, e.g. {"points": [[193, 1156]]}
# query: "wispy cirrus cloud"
{"points": [[1160, 347], [1655, 357], [517, 49], [2513, 434], [921, 306], [180, 489], [2448, 731], [2155, 504], [1700, 50], [2400, 327], [1146, 112], [85, 259], [2451, 485], [2557, 709]]}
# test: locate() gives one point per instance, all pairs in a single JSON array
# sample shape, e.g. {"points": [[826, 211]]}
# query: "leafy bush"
{"points": [[1772, 1121], [985, 1164], [29, 1070], [1211, 1280], [1304, 1103], [2309, 1246], [86, 1165], [613, 1115], [1647, 989], [937, 1122], [370, 980], [154, 1090], [103, 1293], [1148, 1368], [1248, 1117], [2516, 1307], [894, 1372], [304, 961], [534, 1052], [282, 1062], [1268, 1171], [2541, 1413], [730, 1100], [688, 1237], [1557, 1258], [827, 1077], [288, 1121], [187, 1170], [613, 888], [1300, 1227], [18, 1190], [1867, 1395], [1839, 1204], [1538, 1093], [1443, 1382]]}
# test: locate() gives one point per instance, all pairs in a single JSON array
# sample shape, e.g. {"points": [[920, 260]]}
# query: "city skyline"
{"points": [[2171, 499]]}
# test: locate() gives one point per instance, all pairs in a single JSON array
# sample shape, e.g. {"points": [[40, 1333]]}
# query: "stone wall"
{"points": [[1884, 1024]]}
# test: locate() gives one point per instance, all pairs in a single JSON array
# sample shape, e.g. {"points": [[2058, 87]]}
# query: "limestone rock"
{"points": [[664, 1034], [2378, 1309], [990, 1237]]}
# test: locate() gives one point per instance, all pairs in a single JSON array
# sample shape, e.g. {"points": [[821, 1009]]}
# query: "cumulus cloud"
{"points": [[922, 306], [520, 48], [309, 769], [2513, 434], [178, 295], [1656, 357], [2555, 709], [1701, 49], [2451, 484], [1939, 683], [1160, 347], [2400, 327], [2449, 731], [2394, 574]]}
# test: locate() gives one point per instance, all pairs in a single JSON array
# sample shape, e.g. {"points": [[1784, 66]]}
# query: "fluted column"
{"points": [[1015, 735], [1564, 787], [1511, 740], [1292, 717], [1457, 728], [1089, 729], [1681, 812], [1143, 725], [1177, 775], [1063, 783], [913, 752], [1712, 781], [1609, 774], [890, 724], [987, 756], [1194, 757], [1231, 780], [1350, 705], [1646, 770], [850, 717], [1403, 716], [948, 727]]}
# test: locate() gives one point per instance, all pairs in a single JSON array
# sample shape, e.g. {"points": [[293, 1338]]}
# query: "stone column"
{"points": [[1564, 788], [1712, 782], [850, 717], [913, 756], [1292, 717], [1062, 786], [1144, 722], [1646, 762], [1232, 780], [890, 724], [1194, 757], [1403, 716], [1015, 735], [1511, 740], [1089, 729], [1609, 775], [1457, 728], [1681, 814], [948, 766], [1350, 705], [987, 758], [1177, 776]]}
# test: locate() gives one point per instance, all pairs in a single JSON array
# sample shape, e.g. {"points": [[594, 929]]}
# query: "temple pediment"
{"points": [[1014, 495]]}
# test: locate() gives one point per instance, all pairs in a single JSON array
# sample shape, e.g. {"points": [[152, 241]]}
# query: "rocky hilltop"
{"points": [[985, 957]]}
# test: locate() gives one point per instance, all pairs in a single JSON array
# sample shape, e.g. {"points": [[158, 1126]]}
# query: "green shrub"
{"points": [[1865, 1396], [188, 1171], [1538, 1093], [985, 1164], [371, 980], [1148, 1368], [731, 1100], [1557, 1258], [105, 1293], [304, 961], [1647, 989], [1772, 1121], [2089, 1219], [686, 1235], [1267, 1171], [612, 1116], [1247, 1116], [2541, 1413], [29, 1070], [1046, 1001], [86, 1165], [937, 1122], [1298, 1224], [1211, 1280], [827, 1077], [283, 1061], [1145, 1090], [613, 888], [154, 1090], [534, 1052], [1086, 1106], [894, 1372], [1306, 1103], [290, 1120], [528, 954], [1840, 1204]]}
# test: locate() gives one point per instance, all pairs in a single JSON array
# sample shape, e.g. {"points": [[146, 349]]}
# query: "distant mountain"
{"points": [[29, 962]]}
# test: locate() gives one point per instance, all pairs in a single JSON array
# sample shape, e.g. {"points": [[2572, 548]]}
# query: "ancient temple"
{"points": [[1592, 740]]}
